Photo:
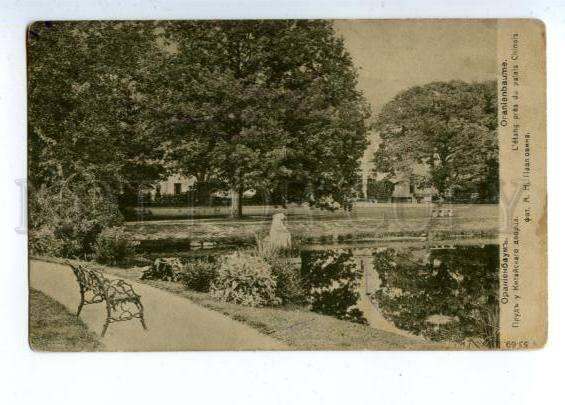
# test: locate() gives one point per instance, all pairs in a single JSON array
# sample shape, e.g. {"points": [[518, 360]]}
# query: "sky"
{"points": [[393, 55]]}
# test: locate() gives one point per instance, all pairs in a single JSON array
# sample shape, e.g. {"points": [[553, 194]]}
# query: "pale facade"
{"points": [[174, 184]]}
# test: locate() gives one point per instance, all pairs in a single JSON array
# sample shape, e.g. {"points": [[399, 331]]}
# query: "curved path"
{"points": [[174, 323]]}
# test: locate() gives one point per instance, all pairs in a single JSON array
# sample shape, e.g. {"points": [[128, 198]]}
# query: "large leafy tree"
{"points": [[268, 105], [88, 134], [265, 105], [450, 128], [86, 115]]}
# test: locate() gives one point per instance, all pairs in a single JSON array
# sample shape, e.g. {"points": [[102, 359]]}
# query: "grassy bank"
{"points": [[54, 329]]}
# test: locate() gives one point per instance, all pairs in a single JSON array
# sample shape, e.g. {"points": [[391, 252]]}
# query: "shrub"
{"points": [[114, 246], [69, 217], [200, 274], [245, 279], [166, 269], [332, 279], [290, 288], [43, 242]]}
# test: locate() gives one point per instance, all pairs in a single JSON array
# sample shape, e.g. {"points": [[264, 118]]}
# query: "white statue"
{"points": [[279, 236]]}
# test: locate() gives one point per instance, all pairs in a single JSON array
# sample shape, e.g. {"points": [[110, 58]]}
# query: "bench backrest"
{"points": [[90, 281]]}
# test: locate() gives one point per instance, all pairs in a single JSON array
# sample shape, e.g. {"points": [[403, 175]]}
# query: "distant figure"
{"points": [[279, 237]]}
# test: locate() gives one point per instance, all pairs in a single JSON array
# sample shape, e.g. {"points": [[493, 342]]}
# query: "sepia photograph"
{"points": [[277, 185]]}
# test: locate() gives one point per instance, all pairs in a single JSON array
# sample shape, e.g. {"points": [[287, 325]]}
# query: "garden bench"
{"points": [[122, 302]]}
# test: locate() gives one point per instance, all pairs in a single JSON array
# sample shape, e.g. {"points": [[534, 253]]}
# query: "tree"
{"points": [[448, 127], [86, 113], [380, 190], [264, 105], [88, 139]]}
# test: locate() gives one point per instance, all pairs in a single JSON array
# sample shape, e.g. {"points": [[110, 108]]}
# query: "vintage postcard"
{"points": [[287, 185]]}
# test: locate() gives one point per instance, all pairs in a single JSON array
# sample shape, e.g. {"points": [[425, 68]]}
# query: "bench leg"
{"points": [[81, 303], [108, 317], [105, 328], [141, 317]]}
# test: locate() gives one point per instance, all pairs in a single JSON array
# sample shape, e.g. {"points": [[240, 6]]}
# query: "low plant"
{"points": [[246, 279], [290, 287], [69, 216], [166, 269], [114, 246], [42, 242], [200, 274]]}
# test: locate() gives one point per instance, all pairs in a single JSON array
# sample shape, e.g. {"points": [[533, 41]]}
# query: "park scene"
{"points": [[263, 185]]}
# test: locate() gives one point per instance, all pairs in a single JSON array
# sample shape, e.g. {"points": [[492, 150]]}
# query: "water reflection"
{"points": [[441, 294]]}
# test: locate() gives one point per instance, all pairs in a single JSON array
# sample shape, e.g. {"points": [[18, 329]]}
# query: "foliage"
{"points": [[245, 279], [114, 246], [88, 138], [450, 295], [268, 105], [449, 128], [42, 242], [380, 190], [332, 279], [67, 222], [290, 287], [86, 115], [200, 274], [166, 269], [265, 249]]}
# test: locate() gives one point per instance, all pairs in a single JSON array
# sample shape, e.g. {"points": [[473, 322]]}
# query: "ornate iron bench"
{"points": [[122, 302]]}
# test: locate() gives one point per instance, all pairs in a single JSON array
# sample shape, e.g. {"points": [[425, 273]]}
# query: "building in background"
{"points": [[175, 184]]}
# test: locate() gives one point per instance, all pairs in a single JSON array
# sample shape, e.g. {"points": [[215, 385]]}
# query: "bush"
{"points": [[200, 274], [43, 242], [69, 217], [166, 269], [290, 288], [114, 246], [245, 279], [333, 279]]}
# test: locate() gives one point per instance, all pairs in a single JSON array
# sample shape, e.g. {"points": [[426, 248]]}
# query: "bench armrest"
{"points": [[119, 289]]}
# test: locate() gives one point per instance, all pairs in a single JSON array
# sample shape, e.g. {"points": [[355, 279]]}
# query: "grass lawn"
{"points": [[299, 328], [52, 328]]}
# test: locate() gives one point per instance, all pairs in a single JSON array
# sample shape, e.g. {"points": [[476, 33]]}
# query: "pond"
{"points": [[443, 293]]}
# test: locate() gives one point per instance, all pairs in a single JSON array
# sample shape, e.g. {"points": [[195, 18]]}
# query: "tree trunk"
{"points": [[236, 197]]}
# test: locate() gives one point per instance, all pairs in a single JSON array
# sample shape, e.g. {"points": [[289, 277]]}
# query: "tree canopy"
{"points": [[265, 105], [450, 128], [85, 114], [88, 141]]}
